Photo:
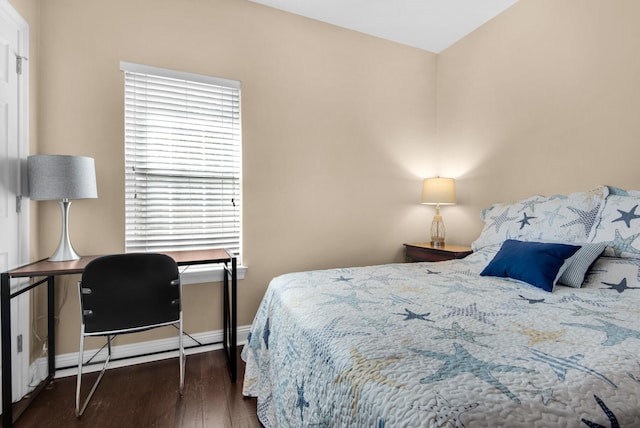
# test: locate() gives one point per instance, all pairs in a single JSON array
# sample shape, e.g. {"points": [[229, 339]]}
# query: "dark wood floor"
{"points": [[146, 395]]}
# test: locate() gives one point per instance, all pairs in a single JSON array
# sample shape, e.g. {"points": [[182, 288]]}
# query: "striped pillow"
{"points": [[573, 275]]}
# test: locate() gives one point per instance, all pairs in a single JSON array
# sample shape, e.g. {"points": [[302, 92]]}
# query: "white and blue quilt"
{"points": [[437, 345]]}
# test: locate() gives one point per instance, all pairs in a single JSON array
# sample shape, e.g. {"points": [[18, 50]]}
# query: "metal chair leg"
{"points": [[181, 356], [80, 410]]}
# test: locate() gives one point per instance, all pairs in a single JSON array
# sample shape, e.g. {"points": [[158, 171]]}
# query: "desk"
{"points": [[49, 270]]}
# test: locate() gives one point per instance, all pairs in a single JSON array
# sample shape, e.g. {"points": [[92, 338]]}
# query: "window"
{"points": [[182, 161]]}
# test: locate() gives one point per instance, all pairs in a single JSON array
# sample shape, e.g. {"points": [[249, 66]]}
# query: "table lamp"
{"points": [[60, 177], [438, 191]]}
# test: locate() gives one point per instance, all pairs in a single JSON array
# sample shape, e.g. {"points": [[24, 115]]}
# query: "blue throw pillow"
{"points": [[536, 263]]}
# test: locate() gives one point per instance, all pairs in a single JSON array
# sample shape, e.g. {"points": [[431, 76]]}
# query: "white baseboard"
{"points": [[136, 353]]}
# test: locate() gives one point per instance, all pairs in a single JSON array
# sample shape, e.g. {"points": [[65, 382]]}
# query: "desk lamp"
{"points": [[438, 191], [59, 177]]}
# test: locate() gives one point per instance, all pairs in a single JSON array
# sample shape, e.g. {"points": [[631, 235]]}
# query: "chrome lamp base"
{"points": [[65, 251]]}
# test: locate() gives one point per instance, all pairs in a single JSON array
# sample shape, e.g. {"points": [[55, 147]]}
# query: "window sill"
{"points": [[202, 274]]}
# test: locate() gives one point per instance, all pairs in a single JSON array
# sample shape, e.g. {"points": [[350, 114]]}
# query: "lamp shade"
{"points": [[56, 177], [439, 191]]}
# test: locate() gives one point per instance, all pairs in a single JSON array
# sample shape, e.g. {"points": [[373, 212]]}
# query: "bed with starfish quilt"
{"points": [[528, 331]]}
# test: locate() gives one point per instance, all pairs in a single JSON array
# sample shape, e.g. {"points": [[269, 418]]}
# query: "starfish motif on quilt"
{"points": [[400, 300], [473, 312], [324, 418], [442, 414], [551, 216], [301, 403], [324, 421], [264, 405], [457, 332], [468, 273], [501, 219], [546, 394], [531, 301], [615, 333], [585, 218], [363, 287], [580, 311], [463, 362], [352, 300], [266, 333], [378, 324], [409, 315], [627, 217], [575, 298], [539, 336], [624, 245], [292, 350], [634, 377], [619, 287], [384, 279], [461, 288], [525, 220], [363, 371], [560, 365], [342, 278], [608, 413], [330, 331], [529, 205]]}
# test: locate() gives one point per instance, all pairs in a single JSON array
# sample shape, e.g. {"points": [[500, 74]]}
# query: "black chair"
{"points": [[127, 293]]}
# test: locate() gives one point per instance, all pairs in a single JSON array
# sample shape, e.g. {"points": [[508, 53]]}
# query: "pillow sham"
{"points": [[622, 275], [579, 265], [570, 219], [536, 263], [619, 226], [501, 221]]}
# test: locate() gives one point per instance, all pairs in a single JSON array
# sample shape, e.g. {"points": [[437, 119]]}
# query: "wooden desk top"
{"points": [[47, 268]]}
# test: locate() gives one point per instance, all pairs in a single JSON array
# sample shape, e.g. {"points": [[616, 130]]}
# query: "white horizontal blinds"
{"points": [[182, 161]]}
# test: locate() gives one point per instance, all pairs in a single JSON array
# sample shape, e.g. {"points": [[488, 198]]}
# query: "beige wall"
{"points": [[545, 99], [338, 130]]}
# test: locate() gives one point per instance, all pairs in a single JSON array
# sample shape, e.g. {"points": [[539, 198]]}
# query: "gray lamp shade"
{"points": [[56, 177]]}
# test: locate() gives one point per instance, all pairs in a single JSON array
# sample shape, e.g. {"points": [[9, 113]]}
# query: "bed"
{"points": [[518, 334]]}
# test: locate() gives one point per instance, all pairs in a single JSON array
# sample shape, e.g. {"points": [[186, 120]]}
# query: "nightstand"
{"points": [[428, 253]]}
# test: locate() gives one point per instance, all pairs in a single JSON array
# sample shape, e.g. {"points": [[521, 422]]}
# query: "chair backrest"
{"points": [[129, 291]]}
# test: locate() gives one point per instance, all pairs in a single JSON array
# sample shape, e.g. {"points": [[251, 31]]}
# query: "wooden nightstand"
{"points": [[427, 253]]}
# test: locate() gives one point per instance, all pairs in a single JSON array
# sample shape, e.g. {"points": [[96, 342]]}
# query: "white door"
{"points": [[13, 149]]}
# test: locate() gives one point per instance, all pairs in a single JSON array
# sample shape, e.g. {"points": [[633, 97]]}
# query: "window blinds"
{"points": [[182, 161]]}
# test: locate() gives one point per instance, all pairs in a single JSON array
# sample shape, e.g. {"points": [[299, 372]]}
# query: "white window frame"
{"points": [[194, 274]]}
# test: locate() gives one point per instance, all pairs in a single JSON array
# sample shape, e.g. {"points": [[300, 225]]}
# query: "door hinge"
{"points": [[19, 344], [18, 204], [19, 63]]}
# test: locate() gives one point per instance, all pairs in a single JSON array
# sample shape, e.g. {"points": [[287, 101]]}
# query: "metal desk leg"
{"points": [[229, 317], [5, 315], [51, 326], [225, 313], [234, 320]]}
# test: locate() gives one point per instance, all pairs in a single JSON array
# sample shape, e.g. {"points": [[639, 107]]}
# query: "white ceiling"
{"points": [[432, 25]]}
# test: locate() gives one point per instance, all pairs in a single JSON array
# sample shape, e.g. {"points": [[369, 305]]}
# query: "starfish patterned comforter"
{"points": [[438, 345]]}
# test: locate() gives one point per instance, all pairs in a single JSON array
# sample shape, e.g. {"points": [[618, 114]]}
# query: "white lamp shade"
{"points": [[57, 177], [439, 191]]}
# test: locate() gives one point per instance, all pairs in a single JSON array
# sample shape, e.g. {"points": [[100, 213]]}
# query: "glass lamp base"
{"points": [[437, 242], [437, 231]]}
